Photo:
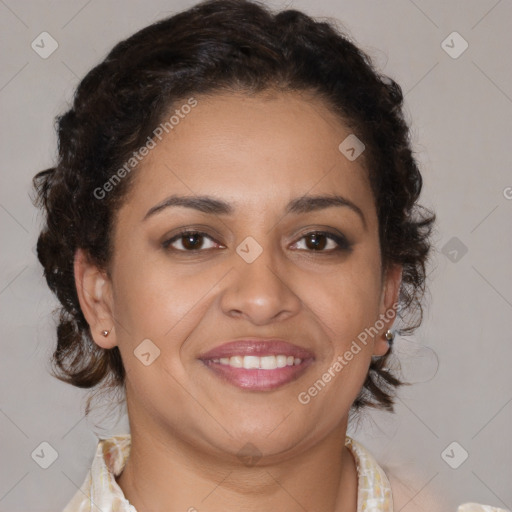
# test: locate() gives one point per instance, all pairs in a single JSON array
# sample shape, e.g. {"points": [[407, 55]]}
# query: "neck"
{"points": [[165, 472]]}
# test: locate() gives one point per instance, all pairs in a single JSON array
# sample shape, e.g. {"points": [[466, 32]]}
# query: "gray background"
{"points": [[461, 115]]}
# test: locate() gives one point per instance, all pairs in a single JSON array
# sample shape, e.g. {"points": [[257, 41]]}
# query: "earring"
{"points": [[106, 333], [390, 336]]}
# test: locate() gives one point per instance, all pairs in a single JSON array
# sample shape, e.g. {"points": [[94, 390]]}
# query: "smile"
{"points": [[253, 375], [256, 364], [270, 362]]}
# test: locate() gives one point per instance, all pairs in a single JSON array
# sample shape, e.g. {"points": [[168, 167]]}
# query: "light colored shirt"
{"points": [[100, 491]]}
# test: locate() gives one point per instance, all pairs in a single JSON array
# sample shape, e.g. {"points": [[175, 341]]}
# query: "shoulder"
{"points": [[376, 481], [100, 486]]}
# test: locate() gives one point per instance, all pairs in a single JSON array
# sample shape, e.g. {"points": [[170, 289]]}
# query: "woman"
{"points": [[232, 230]]}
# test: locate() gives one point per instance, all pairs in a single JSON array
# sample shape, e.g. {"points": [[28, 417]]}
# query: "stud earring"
{"points": [[106, 333], [390, 336]]}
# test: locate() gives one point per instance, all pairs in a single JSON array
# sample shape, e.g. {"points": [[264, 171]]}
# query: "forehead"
{"points": [[252, 151]]}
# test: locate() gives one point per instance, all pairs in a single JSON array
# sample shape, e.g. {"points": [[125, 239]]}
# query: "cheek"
{"points": [[161, 302], [347, 299], [151, 301], [346, 304], [346, 308]]}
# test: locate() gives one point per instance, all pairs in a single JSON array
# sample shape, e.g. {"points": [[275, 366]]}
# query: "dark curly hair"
{"points": [[219, 46]]}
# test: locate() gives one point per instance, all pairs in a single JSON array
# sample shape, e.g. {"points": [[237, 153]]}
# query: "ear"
{"points": [[94, 291], [388, 306]]}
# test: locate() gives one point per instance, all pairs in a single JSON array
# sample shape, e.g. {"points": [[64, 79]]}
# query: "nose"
{"points": [[260, 291]]}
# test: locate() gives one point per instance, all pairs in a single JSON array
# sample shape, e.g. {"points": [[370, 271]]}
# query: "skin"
{"points": [[257, 153]]}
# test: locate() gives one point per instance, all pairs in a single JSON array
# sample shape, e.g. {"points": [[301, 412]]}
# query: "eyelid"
{"points": [[341, 241], [203, 229], [168, 241], [328, 231]]}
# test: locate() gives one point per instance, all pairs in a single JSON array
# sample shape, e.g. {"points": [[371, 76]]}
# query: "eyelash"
{"points": [[342, 242]]}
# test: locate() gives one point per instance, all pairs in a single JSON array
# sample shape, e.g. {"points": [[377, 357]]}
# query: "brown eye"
{"points": [[189, 240], [318, 241]]}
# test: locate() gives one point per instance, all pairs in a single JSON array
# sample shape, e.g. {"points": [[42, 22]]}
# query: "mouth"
{"points": [[258, 365]]}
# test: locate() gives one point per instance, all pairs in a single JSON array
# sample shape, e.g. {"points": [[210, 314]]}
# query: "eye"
{"points": [[317, 241], [190, 241]]}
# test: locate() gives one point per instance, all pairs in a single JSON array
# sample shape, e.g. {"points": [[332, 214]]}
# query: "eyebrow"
{"points": [[214, 206]]}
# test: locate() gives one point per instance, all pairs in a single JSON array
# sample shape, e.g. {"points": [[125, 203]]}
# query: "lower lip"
{"points": [[256, 379]]}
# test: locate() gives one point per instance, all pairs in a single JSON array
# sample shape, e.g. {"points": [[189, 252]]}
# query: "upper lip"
{"points": [[257, 347]]}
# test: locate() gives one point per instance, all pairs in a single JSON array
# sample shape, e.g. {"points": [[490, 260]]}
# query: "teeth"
{"points": [[281, 361], [251, 362], [262, 363], [268, 363], [235, 361]]}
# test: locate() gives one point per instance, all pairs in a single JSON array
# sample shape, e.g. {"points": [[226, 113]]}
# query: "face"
{"points": [[269, 262]]}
